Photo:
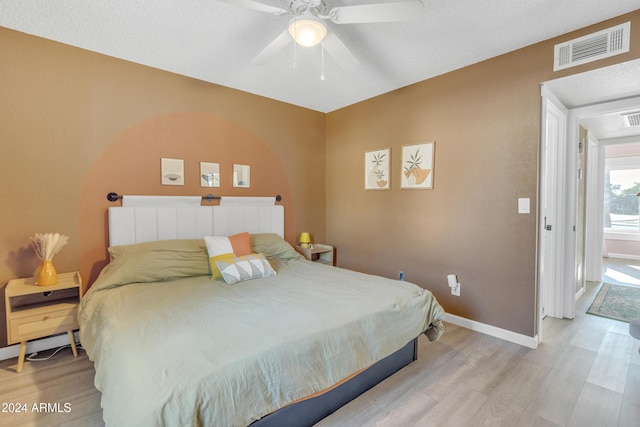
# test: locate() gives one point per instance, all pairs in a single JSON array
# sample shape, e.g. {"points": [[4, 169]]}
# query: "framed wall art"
{"points": [[209, 174], [377, 169], [417, 166], [172, 171], [242, 176]]}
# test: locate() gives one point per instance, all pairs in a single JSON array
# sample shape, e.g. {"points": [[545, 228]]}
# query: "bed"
{"points": [[172, 346]]}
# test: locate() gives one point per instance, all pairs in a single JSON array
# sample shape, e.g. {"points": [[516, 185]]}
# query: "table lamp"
{"points": [[305, 239]]}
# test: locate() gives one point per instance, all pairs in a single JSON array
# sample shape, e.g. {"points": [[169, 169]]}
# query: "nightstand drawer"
{"points": [[41, 325]]}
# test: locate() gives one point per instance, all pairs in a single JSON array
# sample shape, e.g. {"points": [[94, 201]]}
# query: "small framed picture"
{"points": [[417, 166], [209, 174], [172, 171], [242, 176], [377, 173]]}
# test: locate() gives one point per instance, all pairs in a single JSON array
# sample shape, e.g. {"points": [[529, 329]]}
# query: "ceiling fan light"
{"points": [[307, 32]]}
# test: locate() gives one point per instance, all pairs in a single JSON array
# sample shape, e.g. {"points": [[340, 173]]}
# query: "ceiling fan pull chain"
{"points": [[322, 61]]}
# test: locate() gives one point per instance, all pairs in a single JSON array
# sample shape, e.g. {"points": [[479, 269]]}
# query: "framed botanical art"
{"points": [[377, 173], [417, 165], [209, 174]]}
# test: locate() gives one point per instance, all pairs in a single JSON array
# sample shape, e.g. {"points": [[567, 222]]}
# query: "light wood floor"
{"points": [[585, 373]]}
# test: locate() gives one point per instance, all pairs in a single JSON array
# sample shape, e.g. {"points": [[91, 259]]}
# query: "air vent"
{"points": [[631, 119], [600, 45]]}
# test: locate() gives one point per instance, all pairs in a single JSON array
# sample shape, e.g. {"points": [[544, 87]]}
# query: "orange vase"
{"points": [[47, 275]]}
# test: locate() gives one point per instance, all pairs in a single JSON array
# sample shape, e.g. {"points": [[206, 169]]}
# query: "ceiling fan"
{"points": [[308, 28]]}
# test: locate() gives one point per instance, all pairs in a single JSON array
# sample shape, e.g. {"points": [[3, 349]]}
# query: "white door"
{"points": [[552, 167]]}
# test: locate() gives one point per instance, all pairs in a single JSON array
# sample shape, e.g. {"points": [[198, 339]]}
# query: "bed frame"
{"points": [[310, 411], [137, 225]]}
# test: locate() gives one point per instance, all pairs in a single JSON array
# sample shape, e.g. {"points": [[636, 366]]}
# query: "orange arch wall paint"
{"points": [[131, 165]]}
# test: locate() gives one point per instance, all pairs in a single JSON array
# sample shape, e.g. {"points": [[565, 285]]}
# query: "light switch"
{"points": [[524, 205]]}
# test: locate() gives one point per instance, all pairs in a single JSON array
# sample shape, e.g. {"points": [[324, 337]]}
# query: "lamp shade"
{"points": [[308, 31], [305, 238]]}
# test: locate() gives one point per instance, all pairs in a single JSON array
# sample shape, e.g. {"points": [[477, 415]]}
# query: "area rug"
{"points": [[617, 302]]}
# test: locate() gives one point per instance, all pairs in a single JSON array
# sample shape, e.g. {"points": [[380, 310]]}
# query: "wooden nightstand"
{"points": [[324, 254], [38, 311]]}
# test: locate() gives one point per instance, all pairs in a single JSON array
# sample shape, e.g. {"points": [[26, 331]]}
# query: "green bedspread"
{"points": [[193, 351]]}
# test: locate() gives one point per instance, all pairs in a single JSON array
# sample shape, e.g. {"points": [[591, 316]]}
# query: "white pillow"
{"points": [[226, 248]]}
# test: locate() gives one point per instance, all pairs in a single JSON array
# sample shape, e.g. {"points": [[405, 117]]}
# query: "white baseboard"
{"points": [[35, 346], [623, 256], [531, 342]]}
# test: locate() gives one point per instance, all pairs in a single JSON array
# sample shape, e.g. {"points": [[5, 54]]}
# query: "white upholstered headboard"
{"points": [[145, 224]]}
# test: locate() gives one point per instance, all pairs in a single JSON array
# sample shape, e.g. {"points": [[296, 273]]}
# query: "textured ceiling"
{"points": [[214, 41], [616, 82]]}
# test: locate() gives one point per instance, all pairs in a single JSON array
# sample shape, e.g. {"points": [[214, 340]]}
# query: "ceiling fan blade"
{"points": [[377, 12], [250, 4], [341, 53], [272, 48]]}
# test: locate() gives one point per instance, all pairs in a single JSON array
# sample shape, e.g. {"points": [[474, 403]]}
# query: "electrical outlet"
{"points": [[456, 291]]}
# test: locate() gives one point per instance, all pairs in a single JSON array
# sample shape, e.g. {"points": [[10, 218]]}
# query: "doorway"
{"points": [[621, 225], [609, 233], [593, 95]]}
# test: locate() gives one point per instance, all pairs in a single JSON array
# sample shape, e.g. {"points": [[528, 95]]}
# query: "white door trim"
{"points": [[594, 215], [568, 308]]}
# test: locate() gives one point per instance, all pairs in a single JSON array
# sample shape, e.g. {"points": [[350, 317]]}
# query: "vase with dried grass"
{"points": [[46, 245]]}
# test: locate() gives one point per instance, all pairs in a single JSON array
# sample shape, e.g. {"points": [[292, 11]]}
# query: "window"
{"points": [[621, 186]]}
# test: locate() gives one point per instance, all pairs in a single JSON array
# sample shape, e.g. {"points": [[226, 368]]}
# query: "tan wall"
{"points": [[485, 120], [75, 125]]}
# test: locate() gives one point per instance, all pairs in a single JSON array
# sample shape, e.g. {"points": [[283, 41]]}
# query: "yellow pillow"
{"points": [[225, 249]]}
